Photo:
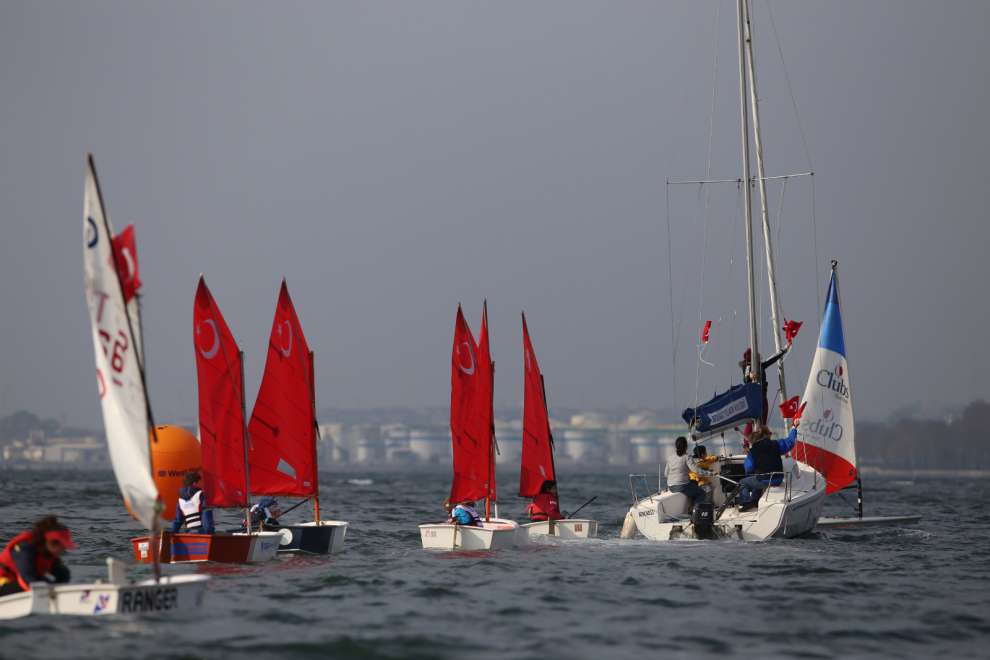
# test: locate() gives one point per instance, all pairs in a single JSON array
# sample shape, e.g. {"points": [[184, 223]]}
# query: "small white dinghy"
{"points": [[472, 417], [537, 468], [493, 534], [566, 528], [116, 596]]}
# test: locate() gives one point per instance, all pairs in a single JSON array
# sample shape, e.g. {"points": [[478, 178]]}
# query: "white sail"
{"points": [[121, 387], [826, 437]]}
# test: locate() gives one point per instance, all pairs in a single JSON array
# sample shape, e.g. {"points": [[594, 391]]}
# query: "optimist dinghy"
{"points": [[111, 283], [223, 434], [537, 463], [472, 433], [283, 430], [828, 440], [116, 596]]}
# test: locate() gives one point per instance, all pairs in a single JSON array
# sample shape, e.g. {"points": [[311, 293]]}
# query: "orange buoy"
{"points": [[176, 453]]}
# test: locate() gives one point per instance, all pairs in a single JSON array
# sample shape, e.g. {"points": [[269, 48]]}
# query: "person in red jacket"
{"points": [[545, 505], [35, 556]]}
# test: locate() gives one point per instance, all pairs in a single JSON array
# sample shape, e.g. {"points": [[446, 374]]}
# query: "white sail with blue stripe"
{"points": [[826, 437]]}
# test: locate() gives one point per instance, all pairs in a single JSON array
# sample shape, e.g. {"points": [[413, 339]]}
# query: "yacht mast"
{"points": [[761, 179], [747, 201]]}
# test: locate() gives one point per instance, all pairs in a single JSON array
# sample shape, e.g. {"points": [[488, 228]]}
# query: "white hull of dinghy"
{"points": [[171, 593], [492, 535], [264, 546], [784, 511], [577, 528]]}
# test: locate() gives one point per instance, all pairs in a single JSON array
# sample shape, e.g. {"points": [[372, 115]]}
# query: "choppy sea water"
{"points": [[918, 591]]}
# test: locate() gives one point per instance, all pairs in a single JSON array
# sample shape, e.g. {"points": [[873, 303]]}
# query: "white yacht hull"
{"points": [[491, 535], [786, 511], [577, 528]]}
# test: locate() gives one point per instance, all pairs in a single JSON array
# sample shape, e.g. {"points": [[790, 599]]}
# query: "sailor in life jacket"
{"points": [[545, 506], [265, 513], [465, 514], [35, 556], [190, 510]]}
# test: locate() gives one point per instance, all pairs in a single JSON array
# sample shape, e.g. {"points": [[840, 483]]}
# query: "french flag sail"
{"points": [[221, 404], [119, 376], [471, 414], [826, 437], [537, 463], [283, 423]]}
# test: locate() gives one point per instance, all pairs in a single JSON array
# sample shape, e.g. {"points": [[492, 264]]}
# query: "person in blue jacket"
{"points": [[264, 514], [465, 514], [763, 464], [191, 511]]}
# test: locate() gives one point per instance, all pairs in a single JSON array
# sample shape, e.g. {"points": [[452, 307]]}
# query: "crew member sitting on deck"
{"points": [[465, 514], [190, 510], [265, 513], [35, 556], [545, 506], [763, 464], [678, 473]]}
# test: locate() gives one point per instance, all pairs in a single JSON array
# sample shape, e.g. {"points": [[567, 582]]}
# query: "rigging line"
{"points": [[814, 241], [780, 227], [790, 89], [707, 193], [737, 180], [670, 299]]}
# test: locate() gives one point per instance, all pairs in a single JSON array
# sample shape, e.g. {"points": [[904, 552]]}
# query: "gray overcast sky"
{"points": [[393, 158]]}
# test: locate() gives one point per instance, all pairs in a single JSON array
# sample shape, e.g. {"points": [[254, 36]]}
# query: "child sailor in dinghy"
{"points": [[35, 556], [190, 510], [465, 514], [265, 513], [545, 506]]}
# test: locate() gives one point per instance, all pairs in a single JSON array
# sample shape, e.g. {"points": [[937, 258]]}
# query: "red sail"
{"points": [[283, 423], [221, 413], [537, 443], [470, 430], [486, 401]]}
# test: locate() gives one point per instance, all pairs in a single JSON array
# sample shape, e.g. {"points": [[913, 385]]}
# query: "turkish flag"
{"points": [[125, 252], [791, 329], [789, 408], [800, 410], [706, 332]]}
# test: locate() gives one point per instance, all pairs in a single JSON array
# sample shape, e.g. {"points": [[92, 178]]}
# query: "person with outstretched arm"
{"points": [[35, 556], [763, 464]]}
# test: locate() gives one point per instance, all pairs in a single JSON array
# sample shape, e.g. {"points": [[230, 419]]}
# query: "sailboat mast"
{"points": [[764, 212], [247, 465], [747, 201], [316, 461]]}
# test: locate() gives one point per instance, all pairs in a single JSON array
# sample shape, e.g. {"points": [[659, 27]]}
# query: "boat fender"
{"points": [[628, 526]]}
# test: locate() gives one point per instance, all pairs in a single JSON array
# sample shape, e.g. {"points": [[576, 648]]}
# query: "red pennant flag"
{"points": [[800, 410], [706, 332], [125, 249], [791, 329], [789, 408]]}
